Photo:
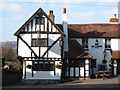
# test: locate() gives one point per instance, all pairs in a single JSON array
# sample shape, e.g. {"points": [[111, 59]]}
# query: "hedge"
{"points": [[11, 76]]}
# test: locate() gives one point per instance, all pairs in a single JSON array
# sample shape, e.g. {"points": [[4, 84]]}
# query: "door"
{"points": [[118, 67]]}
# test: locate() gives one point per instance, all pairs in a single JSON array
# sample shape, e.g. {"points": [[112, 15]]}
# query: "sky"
{"points": [[13, 13]]}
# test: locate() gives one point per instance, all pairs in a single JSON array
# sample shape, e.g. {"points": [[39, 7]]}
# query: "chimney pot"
{"points": [[114, 20], [51, 16], [50, 12], [115, 15], [64, 10]]}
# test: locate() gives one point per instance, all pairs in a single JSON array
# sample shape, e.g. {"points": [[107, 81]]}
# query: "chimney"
{"points": [[64, 10], [51, 15], [114, 20], [65, 30], [115, 15], [64, 16]]}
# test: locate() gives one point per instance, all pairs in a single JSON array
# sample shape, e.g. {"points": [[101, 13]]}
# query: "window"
{"points": [[23, 30], [27, 27], [42, 20], [43, 66], [31, 24], [102, 67], [47, 25], [77, 63], [85, 42], [37, 20], [93, 63], [82, 62], [107, 43], [39, 42]]}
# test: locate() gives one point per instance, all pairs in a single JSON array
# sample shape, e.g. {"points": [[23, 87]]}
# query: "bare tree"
{"points": [[8, 52]]}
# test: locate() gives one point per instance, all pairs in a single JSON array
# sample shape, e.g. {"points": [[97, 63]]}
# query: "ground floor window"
{"points": [[43, 66], [77, 62], [93, 63], [102, 67]]}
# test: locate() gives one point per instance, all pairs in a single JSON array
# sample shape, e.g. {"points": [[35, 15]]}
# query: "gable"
{"points": [[27, 26]]}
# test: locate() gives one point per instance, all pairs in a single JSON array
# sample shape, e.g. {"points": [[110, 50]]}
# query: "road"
{"points": [[94, 83]]}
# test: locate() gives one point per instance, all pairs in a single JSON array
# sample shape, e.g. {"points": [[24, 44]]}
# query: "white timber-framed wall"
{"points": [[34, 30], [97, 53]]}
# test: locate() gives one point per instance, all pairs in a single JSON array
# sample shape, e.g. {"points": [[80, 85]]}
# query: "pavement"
{"points": [[88, 83]]}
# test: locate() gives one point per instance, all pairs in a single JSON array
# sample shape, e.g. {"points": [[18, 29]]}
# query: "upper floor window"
{"points": [[40, 20], [85, 42], [37, 20], [39, 42], [31, 24], [107, 43], [27, 27]]}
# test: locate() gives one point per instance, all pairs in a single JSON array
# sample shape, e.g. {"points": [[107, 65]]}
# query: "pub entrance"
{"points": [[75, 68]]}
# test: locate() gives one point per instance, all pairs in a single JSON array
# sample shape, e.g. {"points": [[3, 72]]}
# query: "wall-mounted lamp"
{"points": [[104, 52], [60, 43]]}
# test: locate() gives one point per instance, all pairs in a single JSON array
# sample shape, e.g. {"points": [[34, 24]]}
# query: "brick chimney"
{"points": [[114, 20], [51, 15]]}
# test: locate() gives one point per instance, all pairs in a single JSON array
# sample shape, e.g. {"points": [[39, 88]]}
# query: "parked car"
{"points": [[103, 74]]}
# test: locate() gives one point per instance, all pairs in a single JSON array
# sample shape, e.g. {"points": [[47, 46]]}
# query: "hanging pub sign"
{"points": [[104, 61]]}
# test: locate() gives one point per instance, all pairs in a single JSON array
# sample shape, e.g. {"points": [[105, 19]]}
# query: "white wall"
{"points": [[97, 53], [115, 44], [23, 49], [55, 51]]}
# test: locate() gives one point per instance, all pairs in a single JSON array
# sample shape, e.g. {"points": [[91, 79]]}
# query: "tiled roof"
{"points": [[116, 54], [93, 30], [76, 51]]}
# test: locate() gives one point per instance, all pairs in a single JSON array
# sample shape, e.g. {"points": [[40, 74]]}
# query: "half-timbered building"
{"points": [[57, 51]]}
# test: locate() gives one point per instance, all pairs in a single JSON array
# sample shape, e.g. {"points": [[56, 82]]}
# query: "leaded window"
{"points": [[43, 66], [85, 42], [107, 43], [77, 62], [39, 42], [42, 20], [93, 63]]}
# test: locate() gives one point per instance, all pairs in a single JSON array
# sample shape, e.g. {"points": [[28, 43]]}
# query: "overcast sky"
{"points": [[13, 13]]}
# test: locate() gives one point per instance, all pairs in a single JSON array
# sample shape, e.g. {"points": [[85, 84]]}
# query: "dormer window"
{"points": [[85, 42], [107, 43]]}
